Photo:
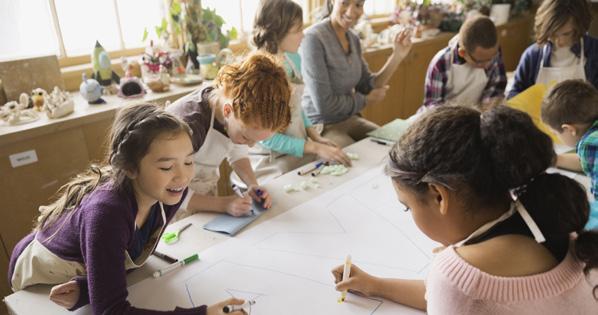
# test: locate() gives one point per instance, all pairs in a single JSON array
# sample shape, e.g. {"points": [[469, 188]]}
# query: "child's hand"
{"points": [[359, 282], [237, 206], [260, 195], [216, 309], [66, 294], [330, 153], [326, 141]]}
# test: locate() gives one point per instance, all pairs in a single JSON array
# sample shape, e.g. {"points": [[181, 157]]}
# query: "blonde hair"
{"points": [[259, 91]]}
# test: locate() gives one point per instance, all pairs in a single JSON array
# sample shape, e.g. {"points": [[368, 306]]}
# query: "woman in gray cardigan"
{"points": [[338, 83]]}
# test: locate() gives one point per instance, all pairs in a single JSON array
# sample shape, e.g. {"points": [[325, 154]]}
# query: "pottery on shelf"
{"points": [[59, 103]]}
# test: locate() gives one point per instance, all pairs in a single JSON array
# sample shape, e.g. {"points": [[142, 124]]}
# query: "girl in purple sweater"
{"points": [[109, 219], [513, 234]]}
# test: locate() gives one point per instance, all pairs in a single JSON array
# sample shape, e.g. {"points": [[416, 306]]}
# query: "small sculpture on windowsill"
{"points": [[37, 98], [91, 91], [156, 68], [130, 86], [15, 113], [59, 103], [102, 70]]}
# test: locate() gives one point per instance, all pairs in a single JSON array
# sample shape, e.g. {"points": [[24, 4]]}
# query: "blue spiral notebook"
{"points": [[227, 224]]}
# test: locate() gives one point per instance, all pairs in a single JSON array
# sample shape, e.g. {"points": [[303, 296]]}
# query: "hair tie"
{"points": [[522, 189]]}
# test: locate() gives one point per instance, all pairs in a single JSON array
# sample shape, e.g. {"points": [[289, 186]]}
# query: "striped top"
{"points": [[454, 286], [587, 150]]}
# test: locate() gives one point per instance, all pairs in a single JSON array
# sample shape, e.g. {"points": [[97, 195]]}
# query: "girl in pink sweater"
{"points": [[513, 234]]}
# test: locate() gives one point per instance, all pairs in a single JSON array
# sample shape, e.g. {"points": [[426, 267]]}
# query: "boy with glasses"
{"points": [[470, 71]]}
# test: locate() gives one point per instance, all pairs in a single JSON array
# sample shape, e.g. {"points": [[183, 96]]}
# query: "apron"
{"points": [[516, 206], [268, 164], [554, 75], [465, 84], [207, 160], [38, 265]]}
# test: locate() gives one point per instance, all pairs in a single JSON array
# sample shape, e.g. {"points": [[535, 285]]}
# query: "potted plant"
{"points": [[194, 30]]}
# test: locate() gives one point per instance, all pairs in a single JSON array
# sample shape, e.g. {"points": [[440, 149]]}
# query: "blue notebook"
{"points": [[227, 224]]}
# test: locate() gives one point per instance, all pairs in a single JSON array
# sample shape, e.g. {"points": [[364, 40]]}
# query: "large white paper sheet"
{"points": [[284, 263]]}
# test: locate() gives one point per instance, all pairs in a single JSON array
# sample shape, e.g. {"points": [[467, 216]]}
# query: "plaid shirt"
{"points": [[437, 75], [587, 150]]}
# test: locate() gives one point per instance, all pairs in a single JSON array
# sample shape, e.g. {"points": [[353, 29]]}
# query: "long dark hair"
{"points": [[133, 131], [484, 157]]}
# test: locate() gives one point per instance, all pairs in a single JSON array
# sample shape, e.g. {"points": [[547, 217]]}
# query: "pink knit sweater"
{"points": [[454, 286]]}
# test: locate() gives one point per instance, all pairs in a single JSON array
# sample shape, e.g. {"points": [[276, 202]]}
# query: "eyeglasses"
{"points": [[481, 62]]}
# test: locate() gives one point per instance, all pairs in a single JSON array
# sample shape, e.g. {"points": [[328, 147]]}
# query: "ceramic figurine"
{"points": [[59, 103], [17, 113], [102, 69], [24, 100], [37, 97], [91, 91], [130, 85]]}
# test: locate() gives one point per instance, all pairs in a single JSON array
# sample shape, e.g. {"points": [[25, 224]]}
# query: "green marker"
{"points": [[176, 265]]}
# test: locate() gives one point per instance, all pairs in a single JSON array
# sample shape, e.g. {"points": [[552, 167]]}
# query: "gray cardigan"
{"points": [[335, 82]]}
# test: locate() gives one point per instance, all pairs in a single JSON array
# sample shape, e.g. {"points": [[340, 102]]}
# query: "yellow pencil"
{"points": [[346, 274]]}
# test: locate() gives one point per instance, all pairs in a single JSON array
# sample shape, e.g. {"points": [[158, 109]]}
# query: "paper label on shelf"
{"points": [[23, 158]]}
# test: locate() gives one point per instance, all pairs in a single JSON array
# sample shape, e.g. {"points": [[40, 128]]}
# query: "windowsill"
{"points": [[85, 113], [72, 75]]}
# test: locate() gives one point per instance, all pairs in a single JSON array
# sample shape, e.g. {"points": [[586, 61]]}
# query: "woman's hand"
{"points": [[359, 282], [217, 309], [402, 43], [376, 95], [66, 294]]}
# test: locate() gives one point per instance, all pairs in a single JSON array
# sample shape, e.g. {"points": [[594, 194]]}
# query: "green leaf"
{"points": [[144, 34], [218, 20], [164, 24], [223, 42], [175, 8], [232, 33], [158, 31]]}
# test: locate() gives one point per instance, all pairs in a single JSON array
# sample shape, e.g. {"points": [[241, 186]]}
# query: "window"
{"points": [[26, 29], [240, 13], [71, 27], [379, 7]]}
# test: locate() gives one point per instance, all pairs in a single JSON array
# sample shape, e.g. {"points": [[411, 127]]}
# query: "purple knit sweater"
{"points": [[97, 234]]}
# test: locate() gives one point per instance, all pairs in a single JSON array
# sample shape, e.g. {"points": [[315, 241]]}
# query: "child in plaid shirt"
{"points": [[470, 71], [571, 111]]}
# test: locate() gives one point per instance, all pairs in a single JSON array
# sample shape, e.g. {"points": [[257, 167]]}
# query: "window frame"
{"points": [[65, 60]]}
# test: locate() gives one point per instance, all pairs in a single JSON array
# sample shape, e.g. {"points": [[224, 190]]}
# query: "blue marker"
{"points": [[305, 172]]}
